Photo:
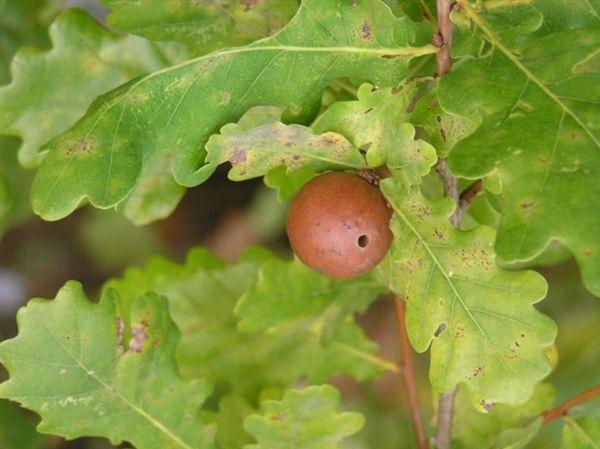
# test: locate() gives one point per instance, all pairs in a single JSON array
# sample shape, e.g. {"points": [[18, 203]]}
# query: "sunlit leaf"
{"points": [[71, 364], [378, 123], [477, 318], [166, 117]]}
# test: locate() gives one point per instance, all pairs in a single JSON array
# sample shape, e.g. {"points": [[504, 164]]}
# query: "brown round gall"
{"points": [[338, 225]]}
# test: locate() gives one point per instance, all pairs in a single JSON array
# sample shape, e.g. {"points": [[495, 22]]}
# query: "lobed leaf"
{"points": [[203, 25], [253, 152], [502, 428], [478, 318], [71, 365], [303, 419], [202, 296], [538, 93], [164, 119], [377, 122], [289, 296], [51, 90]]}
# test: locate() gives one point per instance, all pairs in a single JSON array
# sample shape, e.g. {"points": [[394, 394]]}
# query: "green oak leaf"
{"points": [[51, 90], [303, 419], [477, 318], [581, 428], [202, 296], [204, 25], [442, 129], [289, 297], [377, 122], [503, 427], [540, 134], [254, 152], [71, 365], [171, 113]]}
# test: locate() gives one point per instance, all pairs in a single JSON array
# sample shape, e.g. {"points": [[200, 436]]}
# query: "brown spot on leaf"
{"points": [[238, 156], [80, 146], [279, 416], [365, 30], [139, 338], [248, 4], [488, 406]]}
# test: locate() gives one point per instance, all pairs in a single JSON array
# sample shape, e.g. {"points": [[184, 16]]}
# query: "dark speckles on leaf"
{"points": [[80, 146], [365, 30]]}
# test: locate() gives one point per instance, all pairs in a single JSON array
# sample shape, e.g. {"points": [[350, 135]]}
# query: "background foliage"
{"points": [[128, 112]]}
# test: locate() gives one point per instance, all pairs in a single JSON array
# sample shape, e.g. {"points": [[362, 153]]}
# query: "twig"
{"points": [[407, 371], [450, 189], [563, 409], [443, 37], [443, 437], [465, 199]]}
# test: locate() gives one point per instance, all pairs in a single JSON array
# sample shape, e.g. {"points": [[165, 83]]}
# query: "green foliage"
{"points": [[255, 150], [85, 61], [82, 377], [203, 25], [503, 427], [202, 296], [540, 131], [582, 427], [303, 419], [125, 140], [17, 430], [129, 122], [478, 318], [378, 123]]}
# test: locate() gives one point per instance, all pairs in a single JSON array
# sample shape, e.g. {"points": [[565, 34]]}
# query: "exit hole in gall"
{"points": [[363, 241]]}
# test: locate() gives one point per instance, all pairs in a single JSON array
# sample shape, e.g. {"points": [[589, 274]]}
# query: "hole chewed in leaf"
{"points": [[441, 328]]}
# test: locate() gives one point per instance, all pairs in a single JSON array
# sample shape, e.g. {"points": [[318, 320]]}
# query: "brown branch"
{"points": [[443, 37], [563, 409], [464, 200], [407, 371], [445, 411]]}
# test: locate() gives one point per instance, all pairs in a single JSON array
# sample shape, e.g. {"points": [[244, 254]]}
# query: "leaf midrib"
{"points": [[91, 373], [448, 280], [495, 41]]}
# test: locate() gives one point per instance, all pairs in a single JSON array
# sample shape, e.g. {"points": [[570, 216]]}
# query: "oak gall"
{"points": [[338, 225]]}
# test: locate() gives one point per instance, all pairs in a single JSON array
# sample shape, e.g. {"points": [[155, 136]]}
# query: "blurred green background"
{"points": [[37, 257]]}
